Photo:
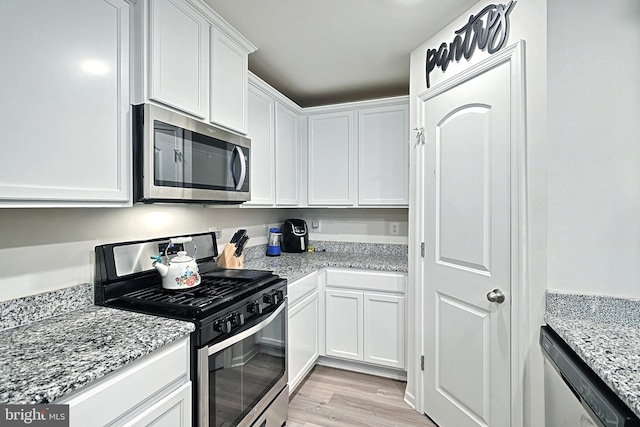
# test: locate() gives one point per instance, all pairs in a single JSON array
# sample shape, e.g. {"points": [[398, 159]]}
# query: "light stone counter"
{"points": [[605, 333], [365, 256], [46, 357]]}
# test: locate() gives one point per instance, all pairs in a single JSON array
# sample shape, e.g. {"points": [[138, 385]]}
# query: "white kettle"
{"points": [[182, 270]]}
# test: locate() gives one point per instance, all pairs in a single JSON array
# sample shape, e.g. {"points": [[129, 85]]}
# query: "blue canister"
{"points": [[273, 244]]}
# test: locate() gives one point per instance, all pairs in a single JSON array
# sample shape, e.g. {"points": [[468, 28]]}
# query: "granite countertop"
{"points": [[43, 360], [365, 256], [57, 342], [605, 333]]}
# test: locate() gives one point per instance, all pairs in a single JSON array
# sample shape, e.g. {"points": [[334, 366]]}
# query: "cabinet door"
{"points": [[65, 103], [174, 410], [383, 156], [344, 328], [331, 151], [384, 330], [302, 339], [122, 392], [229, 74], [262, 175], [179, 49], [287, 157]]}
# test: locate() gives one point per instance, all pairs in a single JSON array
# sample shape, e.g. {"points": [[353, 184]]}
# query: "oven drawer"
{"points": [[132, 388]]}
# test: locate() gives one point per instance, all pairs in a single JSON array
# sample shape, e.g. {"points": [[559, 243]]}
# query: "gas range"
{"points": [[235, 312]]}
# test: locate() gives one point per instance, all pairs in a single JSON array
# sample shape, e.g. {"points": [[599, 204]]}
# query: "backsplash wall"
{"points": [[48, 249]]}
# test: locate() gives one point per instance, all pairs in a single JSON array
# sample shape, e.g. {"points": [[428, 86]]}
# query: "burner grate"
{"points": [[208, 293]]}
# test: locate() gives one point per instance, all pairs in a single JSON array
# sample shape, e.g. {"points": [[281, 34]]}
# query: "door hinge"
{"points": [[422, 363], [422, 249]]}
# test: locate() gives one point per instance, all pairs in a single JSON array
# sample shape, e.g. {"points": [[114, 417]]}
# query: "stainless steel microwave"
{"points": [[181, 160]]}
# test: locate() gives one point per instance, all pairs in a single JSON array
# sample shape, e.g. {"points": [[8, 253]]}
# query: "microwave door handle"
{"points": [[246, 334], [243, 167]]}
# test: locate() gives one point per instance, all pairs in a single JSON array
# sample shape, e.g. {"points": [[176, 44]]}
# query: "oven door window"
{"points": [[240, 375]]}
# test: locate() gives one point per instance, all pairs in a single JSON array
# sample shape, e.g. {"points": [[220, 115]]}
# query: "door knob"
{"points": [[496, 296]]}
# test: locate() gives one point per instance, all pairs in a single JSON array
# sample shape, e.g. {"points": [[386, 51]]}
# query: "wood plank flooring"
{"points": [[334, 397]]}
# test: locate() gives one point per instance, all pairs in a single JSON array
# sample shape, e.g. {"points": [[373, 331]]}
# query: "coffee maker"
{"points": [[295, 236]]}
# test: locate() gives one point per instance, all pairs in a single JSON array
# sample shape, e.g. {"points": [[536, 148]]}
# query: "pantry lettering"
{"points": [[490, 34]]}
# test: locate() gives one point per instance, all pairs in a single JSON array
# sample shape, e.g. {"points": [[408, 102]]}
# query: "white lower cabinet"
{"points": [[303, 339], [383, 334], [365, 317], [174, 410], [353, 315], [344, 323], [154, 390], [303, 328]]}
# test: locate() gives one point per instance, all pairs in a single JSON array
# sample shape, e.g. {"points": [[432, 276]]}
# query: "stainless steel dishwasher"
{"points": [[574, 395]]}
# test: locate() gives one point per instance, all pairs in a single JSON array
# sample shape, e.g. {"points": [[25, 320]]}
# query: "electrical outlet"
{"points": [[315, 225], [394, 228]]}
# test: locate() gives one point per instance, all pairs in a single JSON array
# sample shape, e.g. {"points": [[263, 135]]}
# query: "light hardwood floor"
{"points": [[333, 397]]}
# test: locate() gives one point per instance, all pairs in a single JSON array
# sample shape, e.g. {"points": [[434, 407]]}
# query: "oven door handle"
{"points": [[245, 334]]}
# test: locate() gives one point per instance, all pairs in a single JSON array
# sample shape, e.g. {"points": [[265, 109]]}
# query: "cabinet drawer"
{"points": [[302, 287], [124, 390], [367, 280]]}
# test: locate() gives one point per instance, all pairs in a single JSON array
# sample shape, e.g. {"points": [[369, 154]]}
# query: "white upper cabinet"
{"points": [[370, 137], [179, 49], [65, 104], [383, 156], [287, 156], [261, 132], [229, 74], [274, 128], [331, 158], [188, 58]]}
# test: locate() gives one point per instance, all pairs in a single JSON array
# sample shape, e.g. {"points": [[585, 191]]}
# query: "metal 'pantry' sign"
{"points": [[490, 35]]}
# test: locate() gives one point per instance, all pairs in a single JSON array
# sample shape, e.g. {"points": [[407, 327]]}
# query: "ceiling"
{"points": [[319, 52]]}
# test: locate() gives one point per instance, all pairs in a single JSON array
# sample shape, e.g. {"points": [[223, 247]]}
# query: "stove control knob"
{"points": [[222, 325], [255, 307], [237, 319], [280, 294], [269, 299], [274, 298]]}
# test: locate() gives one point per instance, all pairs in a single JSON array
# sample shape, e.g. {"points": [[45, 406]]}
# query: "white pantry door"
{"points": [[467, 235]]}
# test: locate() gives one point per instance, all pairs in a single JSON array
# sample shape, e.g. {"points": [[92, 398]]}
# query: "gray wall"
{"points": [[594, 147], [47, 249]]}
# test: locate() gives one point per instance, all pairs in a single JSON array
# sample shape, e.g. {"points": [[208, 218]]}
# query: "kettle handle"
{"points": [[180, 240]]}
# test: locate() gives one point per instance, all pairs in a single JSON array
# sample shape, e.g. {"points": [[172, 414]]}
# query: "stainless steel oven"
{"points": [[180, 159], [239, 346], [246, 374]]}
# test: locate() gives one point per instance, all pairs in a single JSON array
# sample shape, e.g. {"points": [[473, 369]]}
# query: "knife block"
{"points": [[228, 260]]}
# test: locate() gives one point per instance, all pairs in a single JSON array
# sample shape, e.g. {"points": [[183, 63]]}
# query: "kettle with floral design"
{"points": [[182, 270]]}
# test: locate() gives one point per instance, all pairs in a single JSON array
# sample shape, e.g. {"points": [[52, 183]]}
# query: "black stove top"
{"points": [[207, 294], [125, 279], [218, 289]]}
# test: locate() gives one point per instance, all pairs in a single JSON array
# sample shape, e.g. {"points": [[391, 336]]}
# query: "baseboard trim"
{"points": [[363, 368]]}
